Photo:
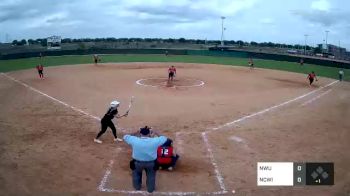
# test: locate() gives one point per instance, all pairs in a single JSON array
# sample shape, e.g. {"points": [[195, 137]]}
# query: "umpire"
{"points": [[144, 154]]}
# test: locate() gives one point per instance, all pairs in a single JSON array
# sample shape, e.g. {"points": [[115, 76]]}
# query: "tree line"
{"points": [[43, 42]]}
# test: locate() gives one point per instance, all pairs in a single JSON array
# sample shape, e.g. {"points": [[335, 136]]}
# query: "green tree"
{"points": [[14, 42], [182, 40], [170, 40], [317, 50], [240, 42], [254, 43], [66, 40], [31, 41]]}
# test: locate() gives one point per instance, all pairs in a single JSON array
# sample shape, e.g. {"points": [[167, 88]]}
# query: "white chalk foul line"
{"points": [[270, 108], [213, 161], [123, 130], [52, 98], [105, 177], [315, 98]]}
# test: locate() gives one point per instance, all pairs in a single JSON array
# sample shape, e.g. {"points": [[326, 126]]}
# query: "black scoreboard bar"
{"points": [[313, 173]]}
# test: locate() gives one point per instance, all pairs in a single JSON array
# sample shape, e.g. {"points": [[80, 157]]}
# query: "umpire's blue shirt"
{"points": [[144, 148]]}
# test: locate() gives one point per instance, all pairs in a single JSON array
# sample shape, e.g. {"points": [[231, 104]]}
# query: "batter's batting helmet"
{"points": [[115, 103]]}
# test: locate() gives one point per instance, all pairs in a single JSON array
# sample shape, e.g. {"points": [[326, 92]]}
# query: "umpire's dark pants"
{"points": [[148, 166]]}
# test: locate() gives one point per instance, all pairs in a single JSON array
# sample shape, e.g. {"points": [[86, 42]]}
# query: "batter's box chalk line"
{"points": [[179, 142], [102, 187]]}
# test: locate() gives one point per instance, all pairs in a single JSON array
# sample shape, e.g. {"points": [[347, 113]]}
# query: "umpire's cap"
{"points": [[145, 130]]}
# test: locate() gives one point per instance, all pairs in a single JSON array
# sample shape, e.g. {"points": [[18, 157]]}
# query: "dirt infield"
{"points": [[47, 148]]}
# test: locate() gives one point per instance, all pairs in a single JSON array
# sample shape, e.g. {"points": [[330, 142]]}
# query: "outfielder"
{"points": [[96, 59], [251, 63], [341, 75], [40, 69], [106, 121], [172, 73]]}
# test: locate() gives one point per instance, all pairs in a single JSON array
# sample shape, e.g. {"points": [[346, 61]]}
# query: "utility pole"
{"points": [[222, 30], [327, 40], [340, 54], [306, 35]]}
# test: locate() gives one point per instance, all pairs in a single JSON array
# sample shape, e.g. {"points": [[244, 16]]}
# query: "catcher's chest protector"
{"points": [[164, 155]]}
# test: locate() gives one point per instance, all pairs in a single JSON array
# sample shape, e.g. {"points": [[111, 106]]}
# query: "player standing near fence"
{"points": [[96, 59], [251, 63], [341, 75]]}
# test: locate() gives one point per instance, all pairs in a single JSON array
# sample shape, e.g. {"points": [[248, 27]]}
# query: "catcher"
{"points": [[106, 121], [166, 156]]}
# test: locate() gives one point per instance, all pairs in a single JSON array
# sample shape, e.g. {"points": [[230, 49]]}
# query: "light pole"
{"points": [[327, 40], [222, 30], [306, 35]]}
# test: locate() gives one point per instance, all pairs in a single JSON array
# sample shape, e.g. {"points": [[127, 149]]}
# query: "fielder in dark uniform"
{"points": [[106, 122]]}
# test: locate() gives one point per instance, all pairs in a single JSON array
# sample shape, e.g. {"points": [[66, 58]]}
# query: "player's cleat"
{"points": [[118, 140], [98, 141], [170, 168]]}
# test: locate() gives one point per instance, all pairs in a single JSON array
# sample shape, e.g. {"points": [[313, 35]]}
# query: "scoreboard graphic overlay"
{"points": [[294, 173]]}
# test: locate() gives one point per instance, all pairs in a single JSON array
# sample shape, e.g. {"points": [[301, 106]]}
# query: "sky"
{"points": [[282, 21]]}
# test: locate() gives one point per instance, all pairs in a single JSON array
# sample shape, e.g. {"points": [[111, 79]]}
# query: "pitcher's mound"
{"points": [[163, 82]]}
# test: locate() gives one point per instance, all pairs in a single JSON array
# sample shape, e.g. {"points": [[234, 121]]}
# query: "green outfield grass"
{"points": [[30, 63]]}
